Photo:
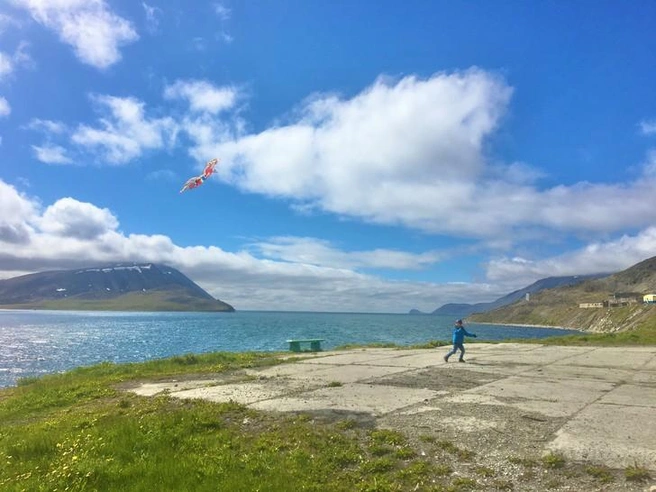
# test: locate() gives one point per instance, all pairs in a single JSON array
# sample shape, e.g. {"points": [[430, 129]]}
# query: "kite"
{"points": [[209, 168], [196, 181]]}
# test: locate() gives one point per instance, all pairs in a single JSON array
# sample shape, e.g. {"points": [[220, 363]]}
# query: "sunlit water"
{"points": [[33, 343]]}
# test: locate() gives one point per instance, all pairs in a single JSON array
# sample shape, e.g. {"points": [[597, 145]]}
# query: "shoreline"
{"points": [[525, 325]]}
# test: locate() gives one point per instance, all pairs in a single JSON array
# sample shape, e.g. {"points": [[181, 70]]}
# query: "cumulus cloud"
{"points": [[648, 127], [89, 26], [46, 126], [51, 154], [405, 152], [5, 108], [77, 220], [202, 96], [9, 62], [125, 132], [283, 272], [412, 152], [596, 257], [70, 233]]}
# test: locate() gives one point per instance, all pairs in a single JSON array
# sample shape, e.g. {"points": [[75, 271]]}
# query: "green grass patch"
{"points": [[601, 473], [461, 453], [525, 462], [635, 473], [553, 460], [81, 431], [484, 471]]}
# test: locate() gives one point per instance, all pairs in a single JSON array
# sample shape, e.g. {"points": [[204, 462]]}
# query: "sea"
{"points": [[34, 343]]}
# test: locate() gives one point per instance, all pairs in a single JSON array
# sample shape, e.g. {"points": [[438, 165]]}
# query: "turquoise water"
{"points": [[33, 343]]}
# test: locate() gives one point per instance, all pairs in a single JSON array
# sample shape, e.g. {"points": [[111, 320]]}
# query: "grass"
{"points": [[644, 335], [636, 473], [601, 473], [79, 431], [553, 460]]}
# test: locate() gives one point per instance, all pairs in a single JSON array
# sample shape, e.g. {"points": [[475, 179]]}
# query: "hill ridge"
{"points": [[113, 286]]}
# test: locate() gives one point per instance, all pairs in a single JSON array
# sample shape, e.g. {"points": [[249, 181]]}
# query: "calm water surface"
{"points": [[33, 343]]}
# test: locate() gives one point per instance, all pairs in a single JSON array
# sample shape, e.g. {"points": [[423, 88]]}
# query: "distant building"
{"points": [[590, 305], [649, 299], [625, 298]]}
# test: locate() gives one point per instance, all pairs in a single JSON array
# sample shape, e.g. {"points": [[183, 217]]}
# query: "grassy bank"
{"points": [[645, 334], [79, 431]]}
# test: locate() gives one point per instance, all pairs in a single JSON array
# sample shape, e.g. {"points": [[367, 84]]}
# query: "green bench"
{"points": [[315, 344]]}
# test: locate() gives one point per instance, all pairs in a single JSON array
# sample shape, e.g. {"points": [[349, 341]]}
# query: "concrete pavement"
{"points": [[603, 399]]}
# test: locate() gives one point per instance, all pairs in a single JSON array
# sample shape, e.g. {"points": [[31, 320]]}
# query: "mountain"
{"points": [[116, 287], [463, 310], [560, 306]]}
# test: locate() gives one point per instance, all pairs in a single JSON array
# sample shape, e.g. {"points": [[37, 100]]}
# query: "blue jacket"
{"points": [[459, 334]]}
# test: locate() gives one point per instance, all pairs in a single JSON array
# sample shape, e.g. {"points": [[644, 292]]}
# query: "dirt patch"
{"points": [[439, 379]]}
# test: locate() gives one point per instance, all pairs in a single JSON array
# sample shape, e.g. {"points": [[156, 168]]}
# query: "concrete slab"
{"points": [[611, 436], [428, 358], [353, 397], [650, 365], [551, 397], [286, 370], [605, 396], [644, 378], [245, 393], [633, 395], [323, 373], [357, 357], [152, 389], [545, 355], [580, 372], [611, 358]]}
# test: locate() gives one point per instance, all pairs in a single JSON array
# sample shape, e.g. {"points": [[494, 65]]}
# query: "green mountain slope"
{"points": [[560, 306], [117, 287]]}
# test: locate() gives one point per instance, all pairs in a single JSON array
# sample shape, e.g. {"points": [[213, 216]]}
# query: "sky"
{"points": [[373, 157]]}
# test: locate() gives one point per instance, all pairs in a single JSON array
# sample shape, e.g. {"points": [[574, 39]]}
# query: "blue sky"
{"points": [[373, 157]]}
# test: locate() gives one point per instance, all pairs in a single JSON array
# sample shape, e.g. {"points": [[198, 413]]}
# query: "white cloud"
{"points": [[89, 26], [648, 127], [51, 154], [202, 96], [411, 152], [17, 213], [152, 21], [222, 11], [125, 132], [225, 37], [5, 108], [292, 274], [72, 219], [9, 63], [597, 257], [7, 20], [46, 126], [70, 233], [6, 65], [322, 253]]}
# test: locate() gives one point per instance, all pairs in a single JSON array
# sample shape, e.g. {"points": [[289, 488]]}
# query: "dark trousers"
{"points": [[457, 346]]}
